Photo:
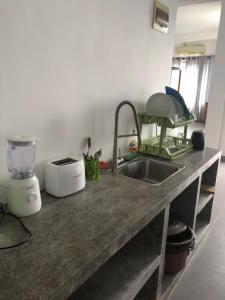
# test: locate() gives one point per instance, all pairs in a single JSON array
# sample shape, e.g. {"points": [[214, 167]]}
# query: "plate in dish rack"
{"points": [[163, 105]]}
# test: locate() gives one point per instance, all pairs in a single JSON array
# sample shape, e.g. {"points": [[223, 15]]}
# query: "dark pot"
{"points": [[178, 248], [198, 139]]}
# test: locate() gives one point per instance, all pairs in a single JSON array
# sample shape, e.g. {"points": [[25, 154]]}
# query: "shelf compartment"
{"points": [[210, 175], [195, 211], [169, 281], [183, 206], [149, 290], [201, 229], [203, 220], [123, 276], [204, 198]]}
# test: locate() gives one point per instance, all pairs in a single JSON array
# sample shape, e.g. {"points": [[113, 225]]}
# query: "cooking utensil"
{"points": [[98, 154], [89, 146]]}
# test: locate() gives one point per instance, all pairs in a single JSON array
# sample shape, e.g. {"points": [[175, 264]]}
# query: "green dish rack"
{"points": [[163, 145]]}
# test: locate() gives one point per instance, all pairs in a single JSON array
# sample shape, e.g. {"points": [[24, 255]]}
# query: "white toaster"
{"points": [[64, 176]]}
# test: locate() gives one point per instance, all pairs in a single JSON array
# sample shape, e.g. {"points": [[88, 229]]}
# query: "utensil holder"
{"points": [[92, 169]]}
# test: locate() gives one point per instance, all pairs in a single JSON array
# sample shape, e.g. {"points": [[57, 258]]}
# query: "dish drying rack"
{"points": [[163, 145]]}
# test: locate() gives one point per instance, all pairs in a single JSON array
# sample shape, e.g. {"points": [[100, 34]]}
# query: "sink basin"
{"points": [[149, 170]]}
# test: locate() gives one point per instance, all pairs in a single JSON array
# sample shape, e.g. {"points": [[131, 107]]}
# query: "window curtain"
{"points": [[196, 74]]}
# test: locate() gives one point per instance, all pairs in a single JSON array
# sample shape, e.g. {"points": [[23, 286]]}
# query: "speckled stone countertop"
{"points": [[75, 235]]}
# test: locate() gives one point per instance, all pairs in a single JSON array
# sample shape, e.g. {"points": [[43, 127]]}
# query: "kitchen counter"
{"points": [[75, 235]]}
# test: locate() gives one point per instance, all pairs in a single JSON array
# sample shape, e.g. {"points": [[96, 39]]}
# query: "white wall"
{"points": [[215, 123], [65, 65]]}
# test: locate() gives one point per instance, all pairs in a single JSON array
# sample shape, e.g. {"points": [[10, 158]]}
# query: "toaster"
{"points": [[64, 176]]}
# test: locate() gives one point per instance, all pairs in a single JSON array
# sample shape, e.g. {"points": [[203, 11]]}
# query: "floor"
{"points": [[204, 279]]}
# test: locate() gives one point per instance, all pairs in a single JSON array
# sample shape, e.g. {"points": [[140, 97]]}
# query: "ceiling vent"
{"points": [[190, 50]]}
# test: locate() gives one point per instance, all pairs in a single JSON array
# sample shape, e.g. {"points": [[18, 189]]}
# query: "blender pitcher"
{"points": [[21, 157]]}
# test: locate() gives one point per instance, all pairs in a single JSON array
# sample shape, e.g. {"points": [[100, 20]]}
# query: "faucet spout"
{"points": [[116, 136]]}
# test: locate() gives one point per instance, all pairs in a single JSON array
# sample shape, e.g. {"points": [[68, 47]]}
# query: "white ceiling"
{"points": [[198, 18]]}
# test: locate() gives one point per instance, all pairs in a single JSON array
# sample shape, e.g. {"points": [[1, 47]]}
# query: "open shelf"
{"points": [[169, 280], [203, 219], [149, 290], [205, 202], [200, 230], [182, 208], [123, 276], [204, 198], [210, 175]]}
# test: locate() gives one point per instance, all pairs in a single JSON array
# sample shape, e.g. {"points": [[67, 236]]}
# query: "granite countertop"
{"points": [[75, 235]]}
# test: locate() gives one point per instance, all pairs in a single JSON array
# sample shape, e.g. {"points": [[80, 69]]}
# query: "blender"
{"points": [[24, 197]]}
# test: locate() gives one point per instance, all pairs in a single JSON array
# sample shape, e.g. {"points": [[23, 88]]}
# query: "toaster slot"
{"points": [[64, 161]]}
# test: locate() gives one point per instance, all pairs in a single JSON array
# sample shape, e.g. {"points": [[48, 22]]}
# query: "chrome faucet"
{"points": [[116, 136]]}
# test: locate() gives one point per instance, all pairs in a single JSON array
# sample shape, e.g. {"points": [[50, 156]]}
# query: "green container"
{"points": [[92, 169]]}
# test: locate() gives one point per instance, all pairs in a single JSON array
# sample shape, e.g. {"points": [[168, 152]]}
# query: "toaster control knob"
{"points": [[32, 197]]}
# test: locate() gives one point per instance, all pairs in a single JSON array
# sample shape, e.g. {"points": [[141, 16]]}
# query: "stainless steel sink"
{"points": [[149, 170]]}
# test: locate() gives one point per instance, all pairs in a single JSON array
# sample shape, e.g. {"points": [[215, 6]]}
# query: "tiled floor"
{"points": [[204, 278]]}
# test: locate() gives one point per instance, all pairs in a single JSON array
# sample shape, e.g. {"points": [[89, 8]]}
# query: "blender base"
{"points": [[24, 198]]}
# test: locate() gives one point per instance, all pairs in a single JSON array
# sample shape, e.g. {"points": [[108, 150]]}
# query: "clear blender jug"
{"points": [[21, 157]]}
